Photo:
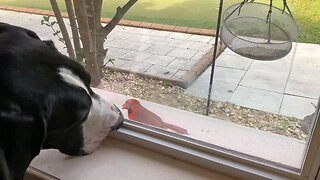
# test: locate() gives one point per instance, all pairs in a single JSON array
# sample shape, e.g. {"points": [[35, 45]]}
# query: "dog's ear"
{"points": [[21, 138]]}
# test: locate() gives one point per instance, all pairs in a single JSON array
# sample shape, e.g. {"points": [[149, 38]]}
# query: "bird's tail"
{"points": [[176, 128]]}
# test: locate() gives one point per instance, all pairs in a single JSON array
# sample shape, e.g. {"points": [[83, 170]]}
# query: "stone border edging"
{"points": [[187, 79], [201, 65]]}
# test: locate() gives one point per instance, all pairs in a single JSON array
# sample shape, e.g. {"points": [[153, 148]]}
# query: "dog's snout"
{"points": [[119, 121]]}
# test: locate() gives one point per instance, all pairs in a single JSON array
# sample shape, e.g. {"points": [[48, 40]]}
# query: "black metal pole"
{"points": [[214, 56]]}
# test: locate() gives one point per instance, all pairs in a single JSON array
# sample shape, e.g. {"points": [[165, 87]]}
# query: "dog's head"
{"points": [[45, 102]]}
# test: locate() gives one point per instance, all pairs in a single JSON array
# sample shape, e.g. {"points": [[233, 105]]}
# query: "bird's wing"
{"points": [[148, 117]]}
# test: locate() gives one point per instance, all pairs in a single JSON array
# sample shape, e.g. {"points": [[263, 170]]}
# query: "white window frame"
{"points": [[217, 159]]}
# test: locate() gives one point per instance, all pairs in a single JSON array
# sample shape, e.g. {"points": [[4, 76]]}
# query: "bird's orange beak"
{"points": [[125, 106]]}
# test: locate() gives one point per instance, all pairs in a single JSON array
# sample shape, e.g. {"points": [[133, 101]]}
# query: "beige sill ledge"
{"points": [[253, 142]]}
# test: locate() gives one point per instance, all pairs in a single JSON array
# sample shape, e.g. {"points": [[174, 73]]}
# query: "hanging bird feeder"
{"points": [[255, 30], [259, 31]]}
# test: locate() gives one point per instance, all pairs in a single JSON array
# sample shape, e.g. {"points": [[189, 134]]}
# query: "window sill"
{"points": [[230, 136]]}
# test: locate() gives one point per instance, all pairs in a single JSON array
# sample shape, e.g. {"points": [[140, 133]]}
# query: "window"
{"points": [[264, 116]]}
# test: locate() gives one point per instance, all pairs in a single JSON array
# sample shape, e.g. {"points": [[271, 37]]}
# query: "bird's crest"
{"points": [[132, 101]]}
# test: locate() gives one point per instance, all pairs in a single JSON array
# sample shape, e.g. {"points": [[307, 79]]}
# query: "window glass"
{"points": [[161, 61]]}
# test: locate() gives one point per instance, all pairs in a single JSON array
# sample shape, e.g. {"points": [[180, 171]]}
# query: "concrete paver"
{"points": [[259, 99], [228, 75], [116, 43], [182, 64], [309, 49], [161, 71], [136, 56], [198, 55], [222, 91], [234, 62], [268, 75], [303, 87], [114, 53], [182, 36], [137, 46], [195, 37], [136, 66], [119, 35], [159, 60], [180, 43], [182, 53], [159, 41], [200, 46], [275, 82], [299, 107], [139, 38], [157, 33], [159, 49]]}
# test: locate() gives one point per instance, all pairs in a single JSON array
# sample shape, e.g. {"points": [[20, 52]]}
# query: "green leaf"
{"points": [[46, 18], [53, 23], [56, 33], [42, 21]]}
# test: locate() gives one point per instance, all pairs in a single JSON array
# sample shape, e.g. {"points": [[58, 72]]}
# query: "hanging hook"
{"points": [[240, 6], [269, 12], [285, 6]]}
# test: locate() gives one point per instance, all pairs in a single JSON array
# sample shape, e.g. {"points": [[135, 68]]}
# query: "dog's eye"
{"points": [[33, 34]]}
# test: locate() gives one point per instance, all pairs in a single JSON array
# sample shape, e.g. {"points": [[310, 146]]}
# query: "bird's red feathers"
{"points": [[139, 113], [133, 106]]}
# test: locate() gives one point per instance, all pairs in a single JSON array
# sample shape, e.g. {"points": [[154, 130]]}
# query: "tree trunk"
{"points": [[88, 46], [92, 26], [92, 33], [63, 28], [74, 30]]}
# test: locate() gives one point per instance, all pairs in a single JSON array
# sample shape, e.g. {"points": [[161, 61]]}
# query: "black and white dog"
{"points": [[45, 102]]}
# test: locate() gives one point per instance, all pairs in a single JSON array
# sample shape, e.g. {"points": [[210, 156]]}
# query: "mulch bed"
{"points": [[163, 92]]}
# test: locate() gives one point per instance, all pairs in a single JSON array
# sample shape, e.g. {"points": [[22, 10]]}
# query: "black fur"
{"points": [[32, 97]]}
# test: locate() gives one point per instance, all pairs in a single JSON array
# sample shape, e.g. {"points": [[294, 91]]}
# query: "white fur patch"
{"points": [[69, 77], [102, 116]]}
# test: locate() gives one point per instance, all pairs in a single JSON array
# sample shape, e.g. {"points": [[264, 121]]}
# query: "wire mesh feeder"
{"points": [[259, 31]]}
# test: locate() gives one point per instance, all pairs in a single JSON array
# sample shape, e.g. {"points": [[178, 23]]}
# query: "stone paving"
{"points": [[287, 86], [153, 52], [160, 53]]}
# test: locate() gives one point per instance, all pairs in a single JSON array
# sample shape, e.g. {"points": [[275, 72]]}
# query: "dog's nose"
{"points": [[119, 121]]}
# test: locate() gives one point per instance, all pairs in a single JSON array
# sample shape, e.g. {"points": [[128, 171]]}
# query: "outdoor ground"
{"points": [[127, 44], [195, 13]]}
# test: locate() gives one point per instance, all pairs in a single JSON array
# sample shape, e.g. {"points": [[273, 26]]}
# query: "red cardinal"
{"points": [[139, 113]]}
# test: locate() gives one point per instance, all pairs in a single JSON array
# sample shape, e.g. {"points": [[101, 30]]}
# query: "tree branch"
{"points": [[118, 16], [63, 28], [74, 30]]}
